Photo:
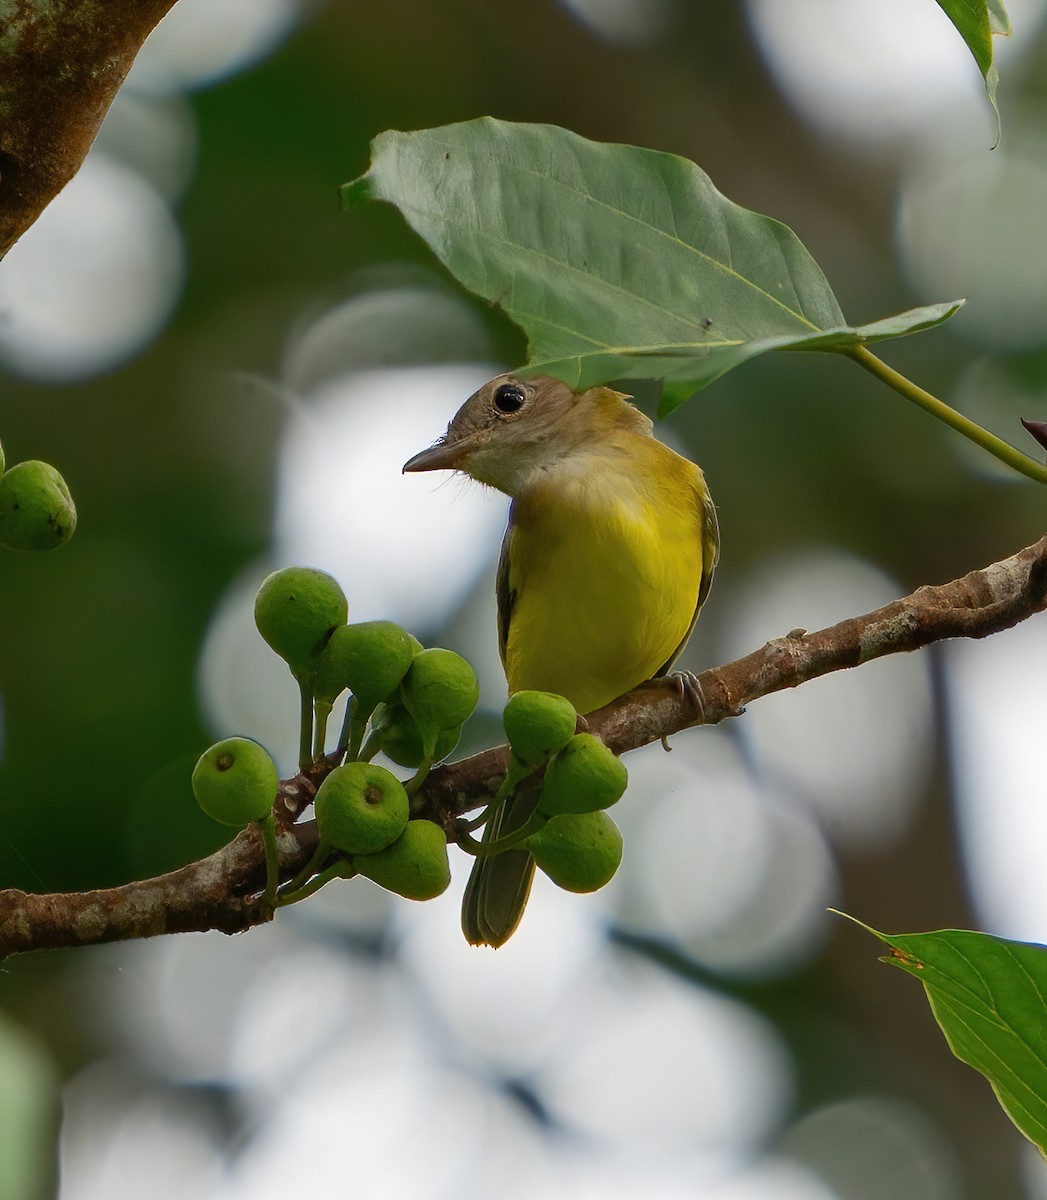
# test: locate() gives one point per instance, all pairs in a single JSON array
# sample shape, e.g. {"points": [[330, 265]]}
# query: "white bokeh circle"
{"points": [[401, 320], [719, 865], [93, 280], [887, 73], [998, 712], [624, 22], [202, 41], [404, 547], [665, 1065], [853, 746], [972, 227]]}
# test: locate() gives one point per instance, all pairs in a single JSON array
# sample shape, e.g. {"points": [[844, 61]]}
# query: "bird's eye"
{"points": [[509, 398]]}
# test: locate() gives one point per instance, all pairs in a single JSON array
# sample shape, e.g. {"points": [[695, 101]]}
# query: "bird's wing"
{"points": [[498, 887], [710, 539], [710, 548], [504, 590], [497, 890]]}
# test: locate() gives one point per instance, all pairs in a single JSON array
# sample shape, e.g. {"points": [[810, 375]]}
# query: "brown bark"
{"points": [[61, 63]]}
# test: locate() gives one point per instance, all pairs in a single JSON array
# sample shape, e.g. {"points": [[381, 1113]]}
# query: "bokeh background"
{"points": [[229, 372]]}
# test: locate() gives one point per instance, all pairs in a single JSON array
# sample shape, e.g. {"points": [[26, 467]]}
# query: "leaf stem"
{"points": [[1000, 449]]}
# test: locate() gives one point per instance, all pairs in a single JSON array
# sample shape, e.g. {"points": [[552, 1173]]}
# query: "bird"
{"points": [[607, 559]]}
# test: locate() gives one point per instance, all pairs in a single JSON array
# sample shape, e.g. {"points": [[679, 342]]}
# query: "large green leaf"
{"points": [[618, 262], [989, 996], [977, 21]]}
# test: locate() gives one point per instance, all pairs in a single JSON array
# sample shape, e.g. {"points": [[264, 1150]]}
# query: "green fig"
{"points": [[369, 658], [295, 610], [400, 739], [235, 782], [440, 690], [578, 851], [583, 777], [415, 865], [538, 724], [360, 808], [36, 510]]}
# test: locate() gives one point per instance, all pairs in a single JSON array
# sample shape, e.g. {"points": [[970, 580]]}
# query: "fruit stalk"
{"points": [[305, 742]]}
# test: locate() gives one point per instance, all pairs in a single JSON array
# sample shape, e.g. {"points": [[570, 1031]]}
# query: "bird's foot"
{"points": [[688, 687]]}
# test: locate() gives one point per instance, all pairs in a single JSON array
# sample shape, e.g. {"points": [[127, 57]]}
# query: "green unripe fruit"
{"points": [[361, 808], [401, 740], [36, 510], [415, 865], [369, 658], [235, 782], [538, 724], [439, 691], [583, 777], [295, 610], [578, 851]]}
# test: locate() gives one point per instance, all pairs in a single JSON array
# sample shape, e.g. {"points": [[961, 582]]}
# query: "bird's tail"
{"points": [[498, 887]]}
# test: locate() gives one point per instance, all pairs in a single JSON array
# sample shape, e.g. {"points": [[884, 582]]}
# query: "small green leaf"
{"points": [[977, 21], [989, 996], [618, 262]]}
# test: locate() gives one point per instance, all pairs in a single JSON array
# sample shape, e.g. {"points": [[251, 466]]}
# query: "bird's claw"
{"points": [[688, 687]]}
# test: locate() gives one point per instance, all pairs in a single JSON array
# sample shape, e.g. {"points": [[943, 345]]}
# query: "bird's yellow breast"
{"points": [[604, 570]]}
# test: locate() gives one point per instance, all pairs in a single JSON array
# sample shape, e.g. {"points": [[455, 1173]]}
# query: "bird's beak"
{"points": [[444, 456]]}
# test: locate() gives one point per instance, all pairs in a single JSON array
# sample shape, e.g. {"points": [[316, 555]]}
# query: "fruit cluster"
{"points": [[405, 701], [409, 703], [571, 837], [36, 509]]}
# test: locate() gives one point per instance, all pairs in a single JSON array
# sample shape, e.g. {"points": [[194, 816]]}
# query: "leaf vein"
{"points": [[1004, 1067], [542, 255], [674, 238]]}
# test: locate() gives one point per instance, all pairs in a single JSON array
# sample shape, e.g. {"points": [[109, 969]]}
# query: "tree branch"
{"points": [[61, 63], [222, 891]]}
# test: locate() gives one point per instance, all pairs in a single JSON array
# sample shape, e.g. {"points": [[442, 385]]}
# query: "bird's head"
{"points": [[513, 427]]}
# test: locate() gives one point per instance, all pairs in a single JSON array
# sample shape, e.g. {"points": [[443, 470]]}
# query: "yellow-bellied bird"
{"points": [[606, 561]]}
